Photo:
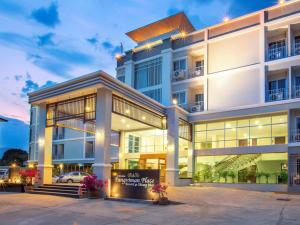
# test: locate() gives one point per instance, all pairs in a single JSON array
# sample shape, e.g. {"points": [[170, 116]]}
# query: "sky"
{"points": [[47, 42]]}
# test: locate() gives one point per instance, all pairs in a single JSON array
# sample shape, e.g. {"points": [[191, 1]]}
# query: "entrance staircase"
{"points": [[71, 191]]}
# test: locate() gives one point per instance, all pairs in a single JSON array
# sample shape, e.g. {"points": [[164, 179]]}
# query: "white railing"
{"points": [[277, 94], [277, 53], [297, 48], [199, 71], [295, 136], [296, 92]]}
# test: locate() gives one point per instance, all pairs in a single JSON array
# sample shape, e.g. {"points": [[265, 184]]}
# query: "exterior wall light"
{"points": [[61, 166], [118, 56], [174, 101], [41, 141], [225, 19]]}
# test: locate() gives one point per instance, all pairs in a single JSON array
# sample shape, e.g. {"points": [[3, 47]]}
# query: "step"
{"points": [[55, 190], [59, 188], [54, 193]]}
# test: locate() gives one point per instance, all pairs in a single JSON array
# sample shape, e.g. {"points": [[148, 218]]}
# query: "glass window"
{"points": [[154, 94], [148, 74], [89, 149], [179, 65], [133, 143], [180, 97], [132, 164], [269, 168], [257, 131]]}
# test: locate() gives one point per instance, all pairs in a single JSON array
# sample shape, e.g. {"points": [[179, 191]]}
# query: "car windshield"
{"points": [[2, 172]]}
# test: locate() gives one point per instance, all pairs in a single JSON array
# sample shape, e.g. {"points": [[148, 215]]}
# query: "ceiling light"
{"points": [[123, 120], [281, 2], [87, 108], [127, 111], [183, 34], [127, 125], [143, 117], [225, 19]]}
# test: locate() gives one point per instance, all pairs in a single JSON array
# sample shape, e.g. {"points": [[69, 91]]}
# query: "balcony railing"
{"points": [[184, 74], [58, 136], [277, 53], [277, 94], [296, 92], [297, 48], [295, 136]]}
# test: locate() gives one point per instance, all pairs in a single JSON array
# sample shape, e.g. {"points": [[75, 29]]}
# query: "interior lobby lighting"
{"points": [[87, 108], [225, 19]]}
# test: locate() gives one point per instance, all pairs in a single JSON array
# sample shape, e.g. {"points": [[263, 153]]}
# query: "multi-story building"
{"points": [[228, 106]]}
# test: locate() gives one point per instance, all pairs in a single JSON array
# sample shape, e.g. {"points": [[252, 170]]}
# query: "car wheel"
{"points": [[69, 181]]}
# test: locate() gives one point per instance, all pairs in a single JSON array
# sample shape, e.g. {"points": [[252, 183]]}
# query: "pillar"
{"points": [[44, 148], [122, 151], [190, 160], [262, 57], [172, 170], [167, 71], [102, 165]]}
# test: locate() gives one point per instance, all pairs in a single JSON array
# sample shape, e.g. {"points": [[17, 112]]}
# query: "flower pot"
{"points": [[28, 188], [94, 194], [164, 201]]}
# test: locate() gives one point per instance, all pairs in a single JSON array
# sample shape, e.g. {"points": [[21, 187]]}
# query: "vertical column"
{"points": [[102, 165], [206, 71], [290, 89], [122, 151], [129, 73], [44, 147], [190, 159], [289, 41], [167, 65], [262, 58], [172, 171]]}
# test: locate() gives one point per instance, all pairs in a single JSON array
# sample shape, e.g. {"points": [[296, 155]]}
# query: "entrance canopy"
{"points": [[76, 109]]}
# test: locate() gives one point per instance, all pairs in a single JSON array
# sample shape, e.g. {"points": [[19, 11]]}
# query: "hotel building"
{"points": [[216, 106]]}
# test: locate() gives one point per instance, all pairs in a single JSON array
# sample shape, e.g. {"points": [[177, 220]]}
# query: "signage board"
{"points": [[133, 183]]}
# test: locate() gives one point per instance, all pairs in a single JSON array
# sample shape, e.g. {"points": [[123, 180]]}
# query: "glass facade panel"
{"points": [[270, 168], [256, 131]]}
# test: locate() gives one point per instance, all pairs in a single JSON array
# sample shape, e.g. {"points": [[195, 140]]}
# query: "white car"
{"points": [[72, 177]]}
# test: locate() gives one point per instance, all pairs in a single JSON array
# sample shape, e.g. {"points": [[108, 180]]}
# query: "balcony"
{"points": [[277, 94], [295, 136], [197, 107], [296, 92], [277, 52], [184, 74], [297, 48]]}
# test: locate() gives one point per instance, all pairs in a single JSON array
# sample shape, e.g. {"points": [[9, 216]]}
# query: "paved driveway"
{"points": [[202, 206]]}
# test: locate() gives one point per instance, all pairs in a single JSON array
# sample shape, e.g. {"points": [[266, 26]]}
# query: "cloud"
{"points": [[9, 7], [18, 77], [31, 86], [93, 40], [46, 39], [47, 16], [110, 48]]}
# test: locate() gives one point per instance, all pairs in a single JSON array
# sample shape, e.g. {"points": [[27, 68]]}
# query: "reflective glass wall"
{"points": [[270, 168], [267, 130]]}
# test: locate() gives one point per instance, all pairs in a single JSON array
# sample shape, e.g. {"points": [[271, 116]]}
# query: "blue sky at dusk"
{"points": [[46, 42]]}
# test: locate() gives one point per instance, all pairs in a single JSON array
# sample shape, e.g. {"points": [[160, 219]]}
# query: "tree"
{"points": [[17, 156]]}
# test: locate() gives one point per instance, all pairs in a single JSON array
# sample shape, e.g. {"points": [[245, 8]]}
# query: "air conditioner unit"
{"points": [[177, 75], [196, 108], [198, 73]]}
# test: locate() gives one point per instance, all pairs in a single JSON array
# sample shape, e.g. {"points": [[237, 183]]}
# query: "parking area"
{"points": [[201, 206]]}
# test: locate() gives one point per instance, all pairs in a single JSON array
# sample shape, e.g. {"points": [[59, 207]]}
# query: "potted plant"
{"points": [[232, 175], [224, 175], [259, 175], [26, 176], [283, 177], [93, 187], [161, 191]]}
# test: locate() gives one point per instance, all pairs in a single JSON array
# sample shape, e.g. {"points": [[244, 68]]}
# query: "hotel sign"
{"points": [[133, 183]]}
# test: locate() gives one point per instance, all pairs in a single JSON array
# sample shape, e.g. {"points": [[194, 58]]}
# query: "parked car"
{"points": [[72, 177], [4, 175]]}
